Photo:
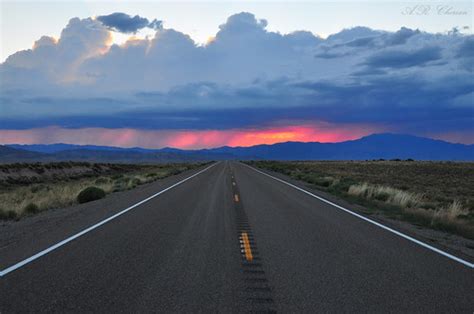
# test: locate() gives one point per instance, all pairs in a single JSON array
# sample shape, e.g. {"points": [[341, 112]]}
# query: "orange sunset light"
{"points": [[187, 139]]}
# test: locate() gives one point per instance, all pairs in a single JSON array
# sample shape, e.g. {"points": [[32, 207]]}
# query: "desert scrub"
{"points": [[452, 212], [436, 195], [453, 218], [101, 180], [386, 194], [51, 190], [8, 214], [31, 208], [90, 194], [53, 195]]}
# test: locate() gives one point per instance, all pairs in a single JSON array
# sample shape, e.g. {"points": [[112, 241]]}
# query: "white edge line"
{"points": [[77, 235], [427, 246]]}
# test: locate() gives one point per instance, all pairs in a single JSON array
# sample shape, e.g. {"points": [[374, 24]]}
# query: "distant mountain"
{"points": [[55, 148], [9, 154], [376, 146], [385, 146]]}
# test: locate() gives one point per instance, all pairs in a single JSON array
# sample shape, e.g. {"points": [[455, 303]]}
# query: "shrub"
{"points": [[101, 180], [8, 214], [324, 182], [174, 171], [451, 212], [387, 194], [136, 181], [358, 189], [123, 180], [117, 187], [31, 208], [341, 186], [37, 188], [89, 194], [382, 196]]}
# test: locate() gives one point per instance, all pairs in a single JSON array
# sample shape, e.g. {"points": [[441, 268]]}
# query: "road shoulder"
{"points": [[23, 238]]}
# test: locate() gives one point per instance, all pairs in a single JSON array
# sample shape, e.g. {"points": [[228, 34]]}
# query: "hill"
{"points": [[9, 154], [376, 146]]}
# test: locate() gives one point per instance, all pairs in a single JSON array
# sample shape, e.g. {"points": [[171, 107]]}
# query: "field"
{"points": [[437, 195], [29, 188]]}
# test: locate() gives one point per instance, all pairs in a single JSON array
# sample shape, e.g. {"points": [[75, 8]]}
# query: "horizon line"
{"points": [[238, 146]]}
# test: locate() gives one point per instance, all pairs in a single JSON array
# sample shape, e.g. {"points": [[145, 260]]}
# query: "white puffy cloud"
{"points": [[58, 61], [242, 51]]}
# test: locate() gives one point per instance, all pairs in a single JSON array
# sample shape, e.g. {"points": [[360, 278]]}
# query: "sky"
{"points": [[206, 74]]}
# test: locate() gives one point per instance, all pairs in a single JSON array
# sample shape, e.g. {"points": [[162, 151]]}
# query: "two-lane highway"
{"points": [[231, 239]]}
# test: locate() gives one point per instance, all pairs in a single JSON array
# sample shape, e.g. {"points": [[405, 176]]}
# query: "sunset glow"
{"points": [[188, 139]]}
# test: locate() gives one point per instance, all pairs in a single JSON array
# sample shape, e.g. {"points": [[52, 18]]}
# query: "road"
{"points": [[231, 239]]}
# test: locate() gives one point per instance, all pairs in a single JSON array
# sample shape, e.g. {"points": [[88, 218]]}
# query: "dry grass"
{"points": [[63, 193], [387, 194], [451, 213], [47, 196], [411, 203]]}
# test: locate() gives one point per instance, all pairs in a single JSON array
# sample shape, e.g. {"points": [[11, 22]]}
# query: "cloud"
{"points": [[361, 42], [465, 53], [51, 62], [243, 23], [466, 48], [404, 59], [121, 22], [347, 35], [401, 36], [246, 77], [330, 55], [156, 24]]}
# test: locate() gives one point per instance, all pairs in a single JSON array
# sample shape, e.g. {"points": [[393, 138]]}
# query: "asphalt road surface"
{"points": [[230, 239]]}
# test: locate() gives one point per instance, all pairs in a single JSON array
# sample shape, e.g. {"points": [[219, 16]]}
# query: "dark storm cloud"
{"points": [[329, 55], [390, 101], [125, 23], [466, 49], [404, 59], [361, 42]]}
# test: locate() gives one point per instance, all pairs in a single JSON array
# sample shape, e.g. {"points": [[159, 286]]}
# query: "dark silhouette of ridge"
{"points": [[376, 146]]}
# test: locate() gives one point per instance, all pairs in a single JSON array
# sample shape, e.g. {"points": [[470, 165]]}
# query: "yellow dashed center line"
{"points": [[247, 249], [236, 197]]}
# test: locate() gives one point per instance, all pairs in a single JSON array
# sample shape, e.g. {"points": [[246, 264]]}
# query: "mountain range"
{"points": [[376, 146]]}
